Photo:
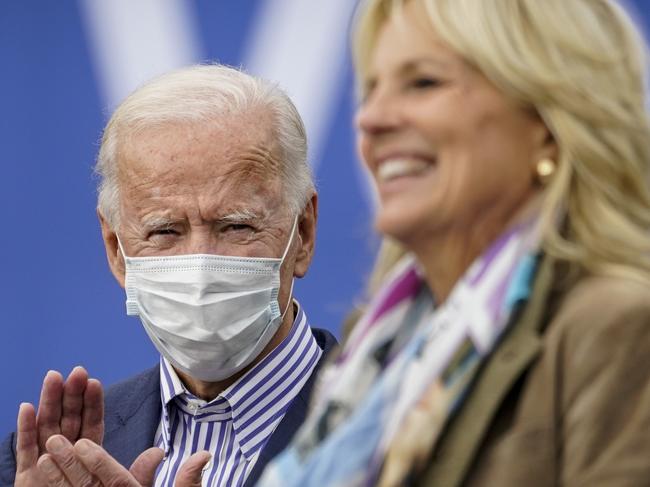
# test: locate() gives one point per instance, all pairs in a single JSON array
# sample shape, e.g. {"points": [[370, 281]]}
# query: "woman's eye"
{"points": [[425, 82]]}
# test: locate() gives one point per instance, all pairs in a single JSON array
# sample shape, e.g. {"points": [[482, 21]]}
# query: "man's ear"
{"points": [[113, 254], [307, 233]]}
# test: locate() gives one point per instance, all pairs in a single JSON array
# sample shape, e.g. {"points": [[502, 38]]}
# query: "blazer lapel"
{"points": [[518, 349], [295, 415], [132, 416]]}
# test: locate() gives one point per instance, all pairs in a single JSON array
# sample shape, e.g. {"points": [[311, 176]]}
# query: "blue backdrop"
{"points": [[65, 65]]}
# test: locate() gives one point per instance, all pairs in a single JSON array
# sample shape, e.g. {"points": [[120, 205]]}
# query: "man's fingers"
{"points": [[27, 440], [48, 418], [104, 467], [64, 455], [144, 467], [52, 473], [92, 421], [73, 403], [190, 473]]}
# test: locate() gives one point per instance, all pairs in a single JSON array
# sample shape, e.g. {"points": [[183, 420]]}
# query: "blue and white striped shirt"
{"points": [[236, 425]]}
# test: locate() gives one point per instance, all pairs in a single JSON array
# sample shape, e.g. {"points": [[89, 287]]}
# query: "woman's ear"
{"points": [[546, 144]]}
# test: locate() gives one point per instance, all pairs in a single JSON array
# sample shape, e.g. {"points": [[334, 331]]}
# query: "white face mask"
{"points": [[209, 315]]}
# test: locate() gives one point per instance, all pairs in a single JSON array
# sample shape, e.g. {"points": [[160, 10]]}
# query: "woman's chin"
{"points": [[396, 226]]}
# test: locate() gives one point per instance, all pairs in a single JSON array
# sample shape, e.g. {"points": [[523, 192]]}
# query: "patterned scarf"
{"points": [[404, 371]]}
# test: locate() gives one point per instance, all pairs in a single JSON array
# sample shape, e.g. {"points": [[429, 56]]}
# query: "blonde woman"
{"points": [[507, 342]]}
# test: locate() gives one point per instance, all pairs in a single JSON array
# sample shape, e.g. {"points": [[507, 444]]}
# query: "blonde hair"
{"points": [[205, 93], [581, 65]]}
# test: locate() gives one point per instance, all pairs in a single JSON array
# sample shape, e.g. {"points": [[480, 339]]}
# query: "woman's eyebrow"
{"points": [[415, 63]]}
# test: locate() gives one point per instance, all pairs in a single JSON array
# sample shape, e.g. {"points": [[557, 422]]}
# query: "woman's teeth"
{"points": [[395, 168]]}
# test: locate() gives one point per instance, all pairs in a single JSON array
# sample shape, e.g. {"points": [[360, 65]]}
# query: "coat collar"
{"points": [[462, 437]]}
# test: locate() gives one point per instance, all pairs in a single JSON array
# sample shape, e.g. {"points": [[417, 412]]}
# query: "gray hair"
{"points": [[204, 93]]}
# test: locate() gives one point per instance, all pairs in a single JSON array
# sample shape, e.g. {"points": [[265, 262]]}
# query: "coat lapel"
{"points": [[133, 413], [295, 415], [462, 437]]}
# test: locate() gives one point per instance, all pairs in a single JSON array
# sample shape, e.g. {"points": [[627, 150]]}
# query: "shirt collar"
{"points": [[244, 400]]}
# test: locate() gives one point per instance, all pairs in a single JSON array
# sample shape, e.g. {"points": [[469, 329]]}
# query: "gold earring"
{"points": [[544, 170]]}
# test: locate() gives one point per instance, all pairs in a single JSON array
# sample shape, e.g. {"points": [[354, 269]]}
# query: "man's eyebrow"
{"points": [[157, 222], [243, 215], [236, 216]]}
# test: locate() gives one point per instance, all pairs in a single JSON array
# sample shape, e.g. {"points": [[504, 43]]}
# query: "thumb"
{"points": [[144, 467], [190, 473]]}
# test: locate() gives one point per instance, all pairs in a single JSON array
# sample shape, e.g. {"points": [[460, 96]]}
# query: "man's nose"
{"points": [[202, 241]]}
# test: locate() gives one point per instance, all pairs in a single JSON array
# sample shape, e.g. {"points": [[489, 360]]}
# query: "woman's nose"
{"points": [[378, 113]]}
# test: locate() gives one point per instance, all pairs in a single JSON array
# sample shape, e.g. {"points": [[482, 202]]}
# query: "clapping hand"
{"points": [[71, 408], [87, 464]]}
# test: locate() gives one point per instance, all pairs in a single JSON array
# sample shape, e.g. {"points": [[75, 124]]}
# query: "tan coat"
{"points": [[565, 398]]}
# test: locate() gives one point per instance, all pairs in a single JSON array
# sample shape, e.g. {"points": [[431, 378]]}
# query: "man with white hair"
{"points": [[208, 212]]}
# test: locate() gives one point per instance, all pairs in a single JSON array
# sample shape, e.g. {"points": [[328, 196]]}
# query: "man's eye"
{"points": [[237, 227], [164, 231]]}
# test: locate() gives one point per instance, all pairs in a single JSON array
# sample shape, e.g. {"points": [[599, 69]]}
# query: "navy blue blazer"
{"points": [[132, 414]]}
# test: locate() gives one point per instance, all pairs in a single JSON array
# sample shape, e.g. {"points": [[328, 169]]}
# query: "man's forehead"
{"points": [[237, 144]]}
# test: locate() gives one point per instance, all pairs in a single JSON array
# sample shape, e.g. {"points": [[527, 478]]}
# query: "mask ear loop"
{"points": [[289, 301], [132, 306], [286, 251], [119, 246]]}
